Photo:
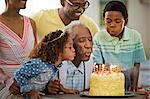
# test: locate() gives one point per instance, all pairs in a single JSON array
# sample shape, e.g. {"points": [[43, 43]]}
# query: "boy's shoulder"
{"points": [[128, 29], [132, 33]]}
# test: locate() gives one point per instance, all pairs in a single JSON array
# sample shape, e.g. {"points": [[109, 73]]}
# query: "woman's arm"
{"points": [[34, 31], [3, 76], [14, 89]]}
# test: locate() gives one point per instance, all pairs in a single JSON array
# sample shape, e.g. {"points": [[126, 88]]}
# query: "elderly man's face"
{"points": [[75, 8], [83, 43]]}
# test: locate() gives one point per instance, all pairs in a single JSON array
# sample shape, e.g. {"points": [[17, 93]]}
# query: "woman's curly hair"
{"points": [[51, 45]]}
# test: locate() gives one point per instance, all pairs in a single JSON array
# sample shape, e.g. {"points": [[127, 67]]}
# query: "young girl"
{"points": [[34, 75], [118, 44]]}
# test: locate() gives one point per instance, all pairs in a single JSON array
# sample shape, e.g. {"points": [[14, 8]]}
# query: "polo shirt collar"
{"points": [[124, 37]]}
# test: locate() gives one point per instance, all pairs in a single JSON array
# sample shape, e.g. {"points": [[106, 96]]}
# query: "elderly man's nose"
{"points": [[88, 44]]}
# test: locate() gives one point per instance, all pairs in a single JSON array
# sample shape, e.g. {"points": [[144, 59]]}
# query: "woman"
{"points": [[17, 38]]}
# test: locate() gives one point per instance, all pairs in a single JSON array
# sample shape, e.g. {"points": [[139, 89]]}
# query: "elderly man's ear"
{"points": [[62, 2]]}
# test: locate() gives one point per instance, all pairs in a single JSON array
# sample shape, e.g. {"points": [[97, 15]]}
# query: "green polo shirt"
{"points": [[126, 51]]}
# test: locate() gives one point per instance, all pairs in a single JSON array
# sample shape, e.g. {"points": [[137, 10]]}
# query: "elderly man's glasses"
{"points": [[76, 6]]}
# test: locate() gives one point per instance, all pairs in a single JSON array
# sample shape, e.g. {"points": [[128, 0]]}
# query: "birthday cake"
{"points": [[107, 81]]}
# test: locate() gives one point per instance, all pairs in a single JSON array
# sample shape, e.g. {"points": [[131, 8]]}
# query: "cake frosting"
{"points": [[107, 82]]}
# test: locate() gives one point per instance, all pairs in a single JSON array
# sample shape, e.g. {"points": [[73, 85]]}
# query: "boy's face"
{"points": [[82, 43], [114, 23], [69, 51]]}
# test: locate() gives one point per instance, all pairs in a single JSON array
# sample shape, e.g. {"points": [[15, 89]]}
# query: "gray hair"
{"points": [[69, 28]]}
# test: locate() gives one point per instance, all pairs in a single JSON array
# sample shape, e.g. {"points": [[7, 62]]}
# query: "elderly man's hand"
{"points": [[53, 87], [35, 94], [14, 89], [68, 91]]}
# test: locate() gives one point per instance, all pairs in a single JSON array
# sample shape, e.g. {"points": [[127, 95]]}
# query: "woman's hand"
{"points": [[3, 78], [14, 89], [35, 94]]}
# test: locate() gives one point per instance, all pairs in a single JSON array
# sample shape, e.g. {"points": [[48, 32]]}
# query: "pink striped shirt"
{"points": [[13, 49]]}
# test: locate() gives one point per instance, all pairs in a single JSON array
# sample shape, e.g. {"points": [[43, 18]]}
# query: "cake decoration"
{"points": [[107, 80]]}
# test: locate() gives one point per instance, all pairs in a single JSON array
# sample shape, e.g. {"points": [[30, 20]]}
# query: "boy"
{"points": [[118, 44]]}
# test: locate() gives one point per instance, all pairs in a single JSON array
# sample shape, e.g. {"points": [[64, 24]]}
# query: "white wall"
{"points": [[94, 10], [2, 6], [34, 6], [148, 31], [139, 19]]}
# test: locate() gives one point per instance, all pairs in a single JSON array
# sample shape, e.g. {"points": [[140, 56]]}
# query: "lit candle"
{"points": [[100, 67], [96, 68], [104, 67], [119, 68]]}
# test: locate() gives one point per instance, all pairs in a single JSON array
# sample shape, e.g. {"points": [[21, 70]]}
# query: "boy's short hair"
{"points": [[116, 6]]}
